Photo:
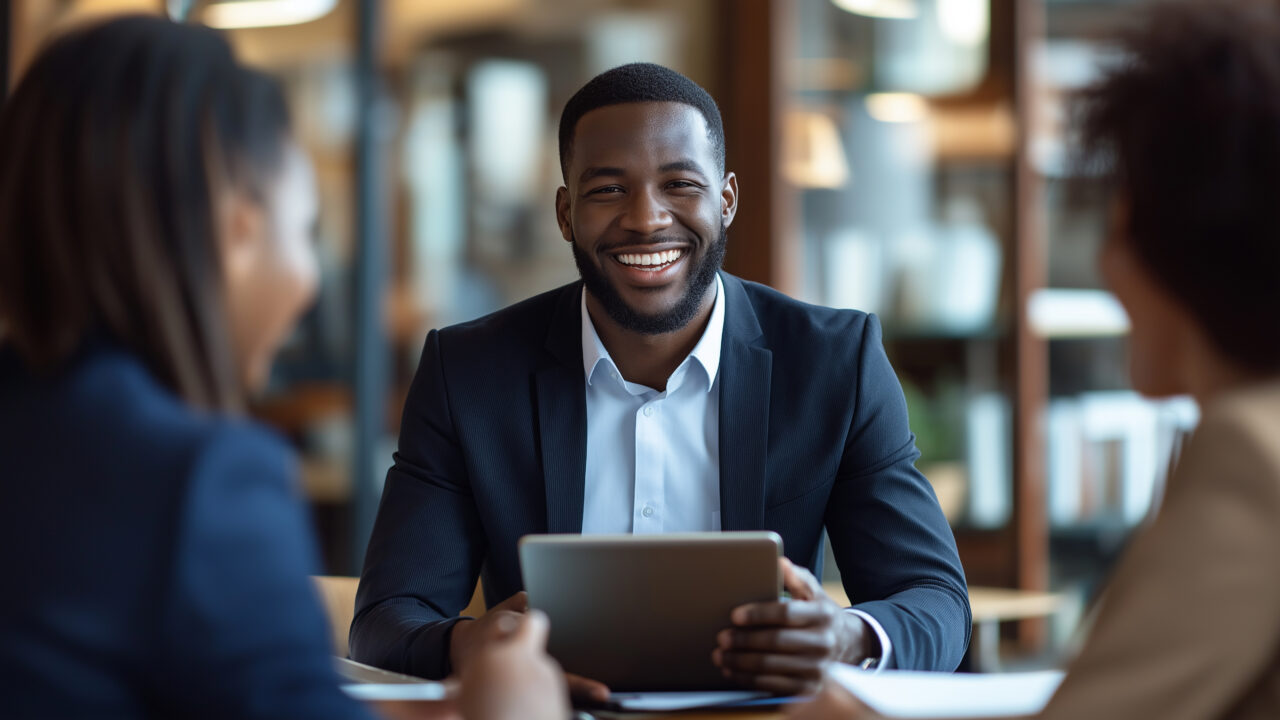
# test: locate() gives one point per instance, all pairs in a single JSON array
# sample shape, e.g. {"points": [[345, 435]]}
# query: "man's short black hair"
{"points": [[1190, 122], [639, 82]]}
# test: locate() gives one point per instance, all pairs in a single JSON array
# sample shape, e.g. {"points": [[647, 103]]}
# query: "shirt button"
{"points": [[648, 412], [648, 510]]}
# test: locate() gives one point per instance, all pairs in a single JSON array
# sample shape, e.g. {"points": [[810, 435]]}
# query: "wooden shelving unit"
{"points": [[755, 49]]}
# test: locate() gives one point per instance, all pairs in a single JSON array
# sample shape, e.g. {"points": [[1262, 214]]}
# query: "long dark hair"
{"points": [[114, 149]]}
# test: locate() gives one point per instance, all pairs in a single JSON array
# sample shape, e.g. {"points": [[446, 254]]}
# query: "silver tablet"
{"points": [[641, 612]]}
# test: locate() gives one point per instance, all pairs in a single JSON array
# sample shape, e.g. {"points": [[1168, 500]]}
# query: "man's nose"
{"points": [[645, 213]]}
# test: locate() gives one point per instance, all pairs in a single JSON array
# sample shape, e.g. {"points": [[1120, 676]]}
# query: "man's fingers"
{"points": [[785, 640], [516, 603], [760, 663], [800, 582], [796, 613], [504, 618], [532, 630], [501, 624], [776, 684], [792, 583], [586, 688]]}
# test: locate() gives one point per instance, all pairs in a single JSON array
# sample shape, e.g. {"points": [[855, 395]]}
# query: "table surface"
{"points": [[352, 671], [988, 604], [1004, 604], [771, 714]]}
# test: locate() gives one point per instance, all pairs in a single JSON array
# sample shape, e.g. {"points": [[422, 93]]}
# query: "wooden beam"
{"points": [[6, 46], [764, 241], [1031, 352]]}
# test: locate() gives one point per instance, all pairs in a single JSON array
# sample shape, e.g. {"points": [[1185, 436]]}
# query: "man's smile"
{"points": [[649, 261], [648, 266]]}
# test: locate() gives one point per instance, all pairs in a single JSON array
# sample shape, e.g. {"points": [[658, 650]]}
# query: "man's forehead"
{"points": [[657, 131]]}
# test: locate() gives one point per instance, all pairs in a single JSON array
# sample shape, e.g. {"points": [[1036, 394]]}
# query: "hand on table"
{"points": [[783, 647], [510, 677], [468, 636], [446, 709]]}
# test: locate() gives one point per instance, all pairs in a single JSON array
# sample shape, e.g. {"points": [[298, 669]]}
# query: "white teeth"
{"points": [[650, 259]]}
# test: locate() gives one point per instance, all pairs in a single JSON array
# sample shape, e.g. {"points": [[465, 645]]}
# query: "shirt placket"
{"points": [[650, 460]]}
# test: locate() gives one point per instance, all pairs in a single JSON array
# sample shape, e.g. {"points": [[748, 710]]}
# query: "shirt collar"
{"points": [[706, 352]]}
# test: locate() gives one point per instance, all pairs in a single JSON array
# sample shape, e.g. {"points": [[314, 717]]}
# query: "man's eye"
{"points": [[605, 190]]}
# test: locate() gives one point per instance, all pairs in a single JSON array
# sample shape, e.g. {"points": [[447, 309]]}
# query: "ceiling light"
{"points": [[813, 155], [894, 9], [897, 107], [265, 13], [965, 22]]}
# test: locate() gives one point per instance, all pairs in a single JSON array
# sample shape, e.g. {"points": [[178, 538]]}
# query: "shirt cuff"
{"points": [[886, 647]]}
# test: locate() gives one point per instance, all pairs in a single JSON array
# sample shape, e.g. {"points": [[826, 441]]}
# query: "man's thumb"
{"points": [[533, 630], [516, 603]]}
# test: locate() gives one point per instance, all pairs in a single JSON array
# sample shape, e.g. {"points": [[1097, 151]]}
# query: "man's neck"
{"points": [[644, 359]]}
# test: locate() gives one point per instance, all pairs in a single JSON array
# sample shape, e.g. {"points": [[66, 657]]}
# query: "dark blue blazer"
{"points": [[154, 557], [813, 434]]}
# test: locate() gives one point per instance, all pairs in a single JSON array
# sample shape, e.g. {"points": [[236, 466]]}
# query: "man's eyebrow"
{"points": [[592, 173], [683, 165]]}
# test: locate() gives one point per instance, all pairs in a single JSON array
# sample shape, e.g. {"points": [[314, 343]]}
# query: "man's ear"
{"points": [[729, 199], [562, 214], [242, 228]]}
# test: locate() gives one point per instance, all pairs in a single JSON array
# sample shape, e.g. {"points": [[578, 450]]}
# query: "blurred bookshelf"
{"points": [[955, 214], [919, 224], [905, 157]]}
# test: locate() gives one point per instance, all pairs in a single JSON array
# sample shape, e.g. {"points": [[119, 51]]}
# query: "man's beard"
{"points": [[674, 319]]}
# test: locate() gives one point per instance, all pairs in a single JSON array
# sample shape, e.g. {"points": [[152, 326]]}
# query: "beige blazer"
{"points": [[1189, 628]]}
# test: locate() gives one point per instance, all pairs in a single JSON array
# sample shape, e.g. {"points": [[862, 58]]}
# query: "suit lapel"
{"points": [[746, 370], [562, 416]]}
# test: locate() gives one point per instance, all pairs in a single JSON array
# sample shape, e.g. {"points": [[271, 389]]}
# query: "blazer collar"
{"points": [[564, 336], [740, 322], [745, 389], [745, 379]]}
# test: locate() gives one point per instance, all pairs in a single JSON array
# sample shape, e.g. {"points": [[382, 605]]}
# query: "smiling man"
{"points": [[661, 395]]}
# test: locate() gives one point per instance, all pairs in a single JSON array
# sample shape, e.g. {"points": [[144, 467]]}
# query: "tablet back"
{"points": [[641, 612]]}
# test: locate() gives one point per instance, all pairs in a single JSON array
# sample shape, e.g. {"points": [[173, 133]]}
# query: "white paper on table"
{"points": [[669, 701], [369, 692], [907, 694]]}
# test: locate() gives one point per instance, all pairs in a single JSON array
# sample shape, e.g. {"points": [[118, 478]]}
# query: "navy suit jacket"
{"points": [[154, 557], [813, 433]]}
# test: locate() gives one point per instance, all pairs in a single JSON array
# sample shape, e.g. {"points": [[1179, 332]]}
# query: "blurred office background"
{"points": [[905, 157]]}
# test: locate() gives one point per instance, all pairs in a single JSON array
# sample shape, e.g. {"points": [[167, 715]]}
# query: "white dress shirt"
{"points": [[653, 458]]}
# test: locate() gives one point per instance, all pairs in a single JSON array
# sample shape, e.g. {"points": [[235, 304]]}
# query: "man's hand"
{"points": [[587, 690], [510, 677], [783, 647], [468, 636]]}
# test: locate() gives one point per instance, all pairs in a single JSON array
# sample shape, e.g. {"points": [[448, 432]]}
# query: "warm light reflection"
{"points": [[265, 13], [965, 22], [1064, 313], [896, 9], [813, 155], [897, 107]]}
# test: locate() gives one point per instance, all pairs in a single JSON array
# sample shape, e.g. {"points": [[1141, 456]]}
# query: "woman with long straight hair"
{"points": [[155, 220]]}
